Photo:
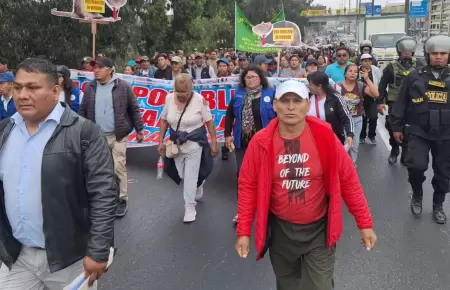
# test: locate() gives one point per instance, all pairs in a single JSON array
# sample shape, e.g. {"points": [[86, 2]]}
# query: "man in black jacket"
{"points": [[57, 188]]}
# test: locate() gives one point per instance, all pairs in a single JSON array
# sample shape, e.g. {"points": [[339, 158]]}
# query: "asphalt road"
{"points": [[157, 251], [419, 50]]}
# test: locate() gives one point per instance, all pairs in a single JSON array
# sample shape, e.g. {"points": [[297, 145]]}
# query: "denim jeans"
{"points": [[358, 127]]}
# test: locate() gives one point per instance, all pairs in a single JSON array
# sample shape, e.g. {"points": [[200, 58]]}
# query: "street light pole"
{"points": [[407, 16], [373, 7]]}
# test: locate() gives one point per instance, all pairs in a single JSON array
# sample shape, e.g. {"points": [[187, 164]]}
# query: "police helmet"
{"points": [[406, 44], [86, 59], [365, 43], [436, 43]]}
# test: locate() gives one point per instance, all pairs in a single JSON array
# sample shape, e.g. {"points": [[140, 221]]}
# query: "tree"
{"points": [[187, 28]]}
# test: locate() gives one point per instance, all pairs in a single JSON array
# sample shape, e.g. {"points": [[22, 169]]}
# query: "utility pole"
{"points": [[407, 16], [373, 7]]}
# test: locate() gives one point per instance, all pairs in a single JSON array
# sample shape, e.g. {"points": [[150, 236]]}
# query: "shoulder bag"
{"points": [[171, 147]]}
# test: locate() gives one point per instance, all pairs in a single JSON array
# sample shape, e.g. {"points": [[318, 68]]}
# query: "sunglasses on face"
{"points": [[342, 55]]}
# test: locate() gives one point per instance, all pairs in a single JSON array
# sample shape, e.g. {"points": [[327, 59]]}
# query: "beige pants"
{"points": [[119, 152], [31, 272]]}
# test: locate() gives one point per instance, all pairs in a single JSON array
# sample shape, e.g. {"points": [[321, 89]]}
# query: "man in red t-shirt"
{"points": [[293, 177]]}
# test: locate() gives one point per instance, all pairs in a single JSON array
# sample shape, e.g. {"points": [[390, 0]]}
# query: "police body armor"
{"points": [[430, 107], [400, 73]]}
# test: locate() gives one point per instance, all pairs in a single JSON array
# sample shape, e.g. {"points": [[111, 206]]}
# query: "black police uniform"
{"points": [[390, 77], [423, 104]]}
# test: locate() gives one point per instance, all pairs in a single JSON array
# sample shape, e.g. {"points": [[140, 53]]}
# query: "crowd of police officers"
{"points": [[419, 117]]}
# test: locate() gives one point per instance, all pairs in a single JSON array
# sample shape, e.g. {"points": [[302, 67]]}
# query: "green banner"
{"points": [[245, 39], [279, 17]]}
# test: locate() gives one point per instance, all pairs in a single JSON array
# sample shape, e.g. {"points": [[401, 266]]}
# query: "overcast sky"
{"points": [[340, 3]]}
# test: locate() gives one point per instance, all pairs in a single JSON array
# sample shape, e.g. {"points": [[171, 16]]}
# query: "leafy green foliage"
{"points": [[28, 29]]}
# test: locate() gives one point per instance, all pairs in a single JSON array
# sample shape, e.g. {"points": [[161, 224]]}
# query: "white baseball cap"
{"points": [[292, 86], [366, 56]]}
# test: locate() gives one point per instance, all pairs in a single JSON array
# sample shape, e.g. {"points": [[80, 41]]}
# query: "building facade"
{"points": [[439, 17]]}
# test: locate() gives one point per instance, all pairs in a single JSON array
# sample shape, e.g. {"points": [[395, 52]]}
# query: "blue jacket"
{"points": [[75, 105], [11, 110], [207, 161], [267, 112]]}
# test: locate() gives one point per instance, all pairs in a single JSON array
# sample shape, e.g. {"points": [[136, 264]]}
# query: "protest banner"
{"points": [[279, 34], [245, 38], [151, 95]]}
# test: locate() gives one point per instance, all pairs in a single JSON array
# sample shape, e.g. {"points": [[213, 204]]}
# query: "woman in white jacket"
{"points": [[370, 116]]}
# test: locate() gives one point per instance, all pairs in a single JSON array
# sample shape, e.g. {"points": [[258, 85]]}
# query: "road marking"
{"points": [[384, 134]]}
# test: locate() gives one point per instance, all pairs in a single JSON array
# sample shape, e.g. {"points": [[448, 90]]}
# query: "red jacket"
{"points": [[340, 177]]}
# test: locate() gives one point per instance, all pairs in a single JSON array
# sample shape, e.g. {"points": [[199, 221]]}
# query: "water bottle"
{"points": [[346, 146], [160, 168]]}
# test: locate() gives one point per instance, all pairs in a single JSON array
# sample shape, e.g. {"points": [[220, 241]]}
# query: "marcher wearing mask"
{"points": [[370, 116], [393, 77], [328, 105], [365, 47], [69, 94], [423, 103], [293, 180], [249, 111]]}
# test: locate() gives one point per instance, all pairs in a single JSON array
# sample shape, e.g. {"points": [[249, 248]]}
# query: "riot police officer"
{"points": [[393, 76], [365, 47], [423, 104]]}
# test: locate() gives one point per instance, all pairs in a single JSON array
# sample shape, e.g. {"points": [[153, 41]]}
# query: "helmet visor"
{"points": [[439, 43]]}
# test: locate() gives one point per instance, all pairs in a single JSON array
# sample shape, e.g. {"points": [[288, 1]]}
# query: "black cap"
{"points": [[312, 61], [63, 70], [242, 57], [103, 62]]}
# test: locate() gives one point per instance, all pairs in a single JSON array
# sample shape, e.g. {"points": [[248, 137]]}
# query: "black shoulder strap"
{"points": [[4, 123], [184, 110], [400, 66]]}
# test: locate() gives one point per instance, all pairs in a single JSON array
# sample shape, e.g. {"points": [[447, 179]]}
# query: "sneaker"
{"points": [[373, 141], [235, 219], [189, 213], [122, 208], [199, 193], [362, 141]]}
